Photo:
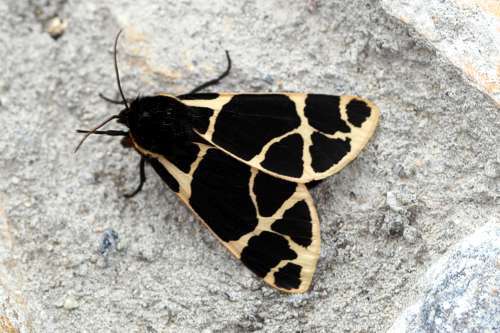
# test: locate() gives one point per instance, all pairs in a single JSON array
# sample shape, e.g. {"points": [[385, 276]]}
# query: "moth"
{"points": [[244, 162]]}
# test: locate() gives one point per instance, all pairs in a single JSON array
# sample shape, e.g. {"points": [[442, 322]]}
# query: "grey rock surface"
{"points": [[428, 178], [466, 32], [462, 289]]}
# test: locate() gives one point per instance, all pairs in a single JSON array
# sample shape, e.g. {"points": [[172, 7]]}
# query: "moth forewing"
{"points": [[316, 135]]}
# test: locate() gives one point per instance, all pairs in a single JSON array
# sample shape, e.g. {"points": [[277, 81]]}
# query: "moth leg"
{"points": [[216, 80], [142, 164]]}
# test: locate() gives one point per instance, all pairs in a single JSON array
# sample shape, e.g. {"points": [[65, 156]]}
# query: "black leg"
{"points": [[216, 80], [142, 181]]}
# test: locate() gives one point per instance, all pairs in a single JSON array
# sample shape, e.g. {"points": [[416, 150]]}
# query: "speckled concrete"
{"points": [[428, 178]]}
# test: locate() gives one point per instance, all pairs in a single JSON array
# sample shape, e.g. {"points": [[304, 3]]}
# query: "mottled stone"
{"points": [[464, 31], [429, 158], [461, 290]]}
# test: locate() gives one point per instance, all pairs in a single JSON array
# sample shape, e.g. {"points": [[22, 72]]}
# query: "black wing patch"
{"points": [[199, 96], [288, 276], [265, 251], [165, 175], [285, 156], [219, 194], [323, 113], [271, 192], [292, 224], [248, 122], [184, 156], [326, 152], [357, 112], [200, 116]]}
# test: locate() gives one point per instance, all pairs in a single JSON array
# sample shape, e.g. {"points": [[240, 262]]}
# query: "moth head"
{"points": [[157, 123]]}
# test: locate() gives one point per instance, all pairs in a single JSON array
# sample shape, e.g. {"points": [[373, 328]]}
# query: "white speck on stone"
{"points": [[102, 262], [70, 303], [56, 27], [94, 258], [122, 245], [492, 169], [393, 202], [59, 303], [410, 234]]}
